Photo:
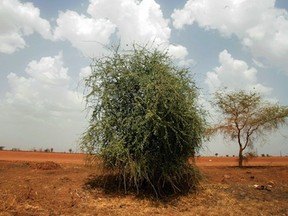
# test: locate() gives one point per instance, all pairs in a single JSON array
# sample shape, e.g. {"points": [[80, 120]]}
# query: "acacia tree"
{"points": [[246, 116], [145, 122]]}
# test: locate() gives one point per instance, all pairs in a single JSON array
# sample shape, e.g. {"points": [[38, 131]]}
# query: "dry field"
{"points": [[34, 183]]}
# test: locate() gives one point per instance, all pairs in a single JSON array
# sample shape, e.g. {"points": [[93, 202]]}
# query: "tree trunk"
{"points": [[240, 162]]}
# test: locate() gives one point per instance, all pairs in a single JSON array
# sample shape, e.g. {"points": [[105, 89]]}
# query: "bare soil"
{"points": [[38, 183]]}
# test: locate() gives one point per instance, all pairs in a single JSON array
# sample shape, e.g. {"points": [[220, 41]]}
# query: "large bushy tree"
{"points": [[246, 116], [145, 121]]}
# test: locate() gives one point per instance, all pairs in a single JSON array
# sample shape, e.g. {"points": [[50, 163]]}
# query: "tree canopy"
{"points": [[145, 121], [245, 116]]}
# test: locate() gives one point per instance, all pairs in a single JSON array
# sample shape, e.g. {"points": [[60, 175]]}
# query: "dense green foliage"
{"points": [[246, 116], [145, 122]]}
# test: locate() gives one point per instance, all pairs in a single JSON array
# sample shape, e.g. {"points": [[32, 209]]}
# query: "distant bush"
{"points": [[249, 155]]}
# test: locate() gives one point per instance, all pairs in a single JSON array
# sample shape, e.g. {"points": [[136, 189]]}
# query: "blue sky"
{"points": [[46, 48]]}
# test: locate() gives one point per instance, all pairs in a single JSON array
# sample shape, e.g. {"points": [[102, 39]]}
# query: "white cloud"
{"points": [[227, 16], [180, 53], [43, 102], [18, 20], [136, 21], [268, 40], [177, 51], [46, 90], [86, 34], [234, 74], [260, 26], [184, 16], [49, 70], [128, 21]]}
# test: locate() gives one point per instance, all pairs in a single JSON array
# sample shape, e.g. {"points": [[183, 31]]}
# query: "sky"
{"points": [[46, 48]]}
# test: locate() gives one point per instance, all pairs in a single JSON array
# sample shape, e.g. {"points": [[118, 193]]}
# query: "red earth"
{"points": [[67, 158], [40, 183]]}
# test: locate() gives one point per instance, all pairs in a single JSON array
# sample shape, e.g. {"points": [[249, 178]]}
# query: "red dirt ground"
{"points": [[67, 158], [39, 183]]}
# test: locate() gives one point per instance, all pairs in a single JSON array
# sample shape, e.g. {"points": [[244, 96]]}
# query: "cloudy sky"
{"points": [[46, 48]]}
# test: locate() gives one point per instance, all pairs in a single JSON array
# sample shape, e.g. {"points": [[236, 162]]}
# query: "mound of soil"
{"points": [[47, 165]]}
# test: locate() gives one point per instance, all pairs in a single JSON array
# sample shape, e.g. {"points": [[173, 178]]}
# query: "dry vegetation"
{"points": [[48, 185]]}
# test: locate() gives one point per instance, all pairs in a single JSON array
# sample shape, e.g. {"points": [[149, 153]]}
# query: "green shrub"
{"points": [[145, 122]]}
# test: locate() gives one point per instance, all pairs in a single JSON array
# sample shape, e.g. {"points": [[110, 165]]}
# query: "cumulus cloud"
{"points": [[45, 90], [234, 74], [49, 70], [43, 100], [18, 20], [86, 34], [227, 16], [109, 22], [180, 53], [136, 21], [261, 27]]}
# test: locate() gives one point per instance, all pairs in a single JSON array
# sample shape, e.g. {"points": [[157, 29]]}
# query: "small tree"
{"points": [[145, 122], [246, 117]]}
